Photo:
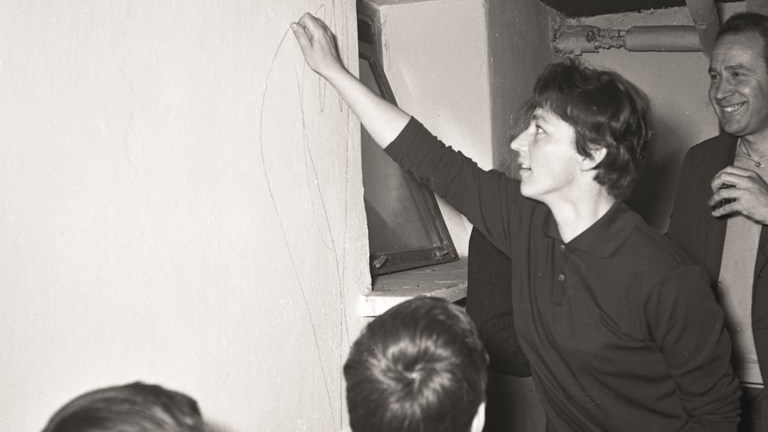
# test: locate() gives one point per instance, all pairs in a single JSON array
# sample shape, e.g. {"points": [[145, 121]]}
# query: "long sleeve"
{"points": [[687, 324], [490, 200], [489, 304]]}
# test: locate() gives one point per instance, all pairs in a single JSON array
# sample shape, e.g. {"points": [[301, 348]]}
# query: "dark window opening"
{"points": [[406, 229]]}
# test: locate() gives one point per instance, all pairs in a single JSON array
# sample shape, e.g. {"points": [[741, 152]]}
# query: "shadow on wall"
{"points": [[655, 189], [214, 427]]}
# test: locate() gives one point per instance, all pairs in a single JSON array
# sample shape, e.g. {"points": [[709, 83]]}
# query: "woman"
{"points": [[621, 331]]}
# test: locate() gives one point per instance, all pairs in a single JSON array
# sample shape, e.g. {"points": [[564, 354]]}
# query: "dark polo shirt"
{"points": [[621, 329]]}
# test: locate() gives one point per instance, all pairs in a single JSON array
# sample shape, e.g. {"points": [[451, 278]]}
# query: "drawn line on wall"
{"points": [[333, 247], [341, 270], [314, 180], [294, 266]]}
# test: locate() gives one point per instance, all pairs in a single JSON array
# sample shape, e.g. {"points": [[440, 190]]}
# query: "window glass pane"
{"points": [[405, 227], [395, 221]]}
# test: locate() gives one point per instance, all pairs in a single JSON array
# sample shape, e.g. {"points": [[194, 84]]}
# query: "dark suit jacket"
{"points": [[702, 236]]}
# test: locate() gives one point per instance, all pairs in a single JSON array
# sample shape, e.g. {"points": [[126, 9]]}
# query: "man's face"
{"points": [[739, 85]]}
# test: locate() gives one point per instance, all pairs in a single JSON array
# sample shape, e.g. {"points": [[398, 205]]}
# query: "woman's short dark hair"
{"points": [[419, 367], [606, 111], [135, 407]]}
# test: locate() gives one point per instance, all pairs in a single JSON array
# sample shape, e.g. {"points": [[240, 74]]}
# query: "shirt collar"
{"points": [[605, 236]]}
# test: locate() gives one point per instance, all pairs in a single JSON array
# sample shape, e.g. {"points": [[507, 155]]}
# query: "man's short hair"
{"points": [[133, 407], [420, 366], [606, 111], [745, 22]]}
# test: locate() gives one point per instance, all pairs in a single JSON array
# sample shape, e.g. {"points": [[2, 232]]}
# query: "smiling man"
{"points": [[622, 332], [721, 205]]}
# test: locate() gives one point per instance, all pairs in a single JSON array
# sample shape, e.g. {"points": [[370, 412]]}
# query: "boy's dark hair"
{"points": [[745, 22], [605, 111], [133, 407], [420, 366]]}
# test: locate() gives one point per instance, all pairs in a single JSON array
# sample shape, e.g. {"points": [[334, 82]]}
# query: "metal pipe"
{"points": [[663, 39], [576, 40], [699, 37], [707, 22]]}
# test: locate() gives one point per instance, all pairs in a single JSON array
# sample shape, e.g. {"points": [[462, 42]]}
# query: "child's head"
{"points": [[134, 407], [605, 111], [420, 366]]}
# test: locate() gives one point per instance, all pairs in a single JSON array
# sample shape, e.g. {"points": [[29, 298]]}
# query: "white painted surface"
{"points": [[436, 58], [180, 203], [518, 38]]}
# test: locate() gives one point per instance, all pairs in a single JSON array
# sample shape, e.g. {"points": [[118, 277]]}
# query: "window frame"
{"points": [[385, 262]]}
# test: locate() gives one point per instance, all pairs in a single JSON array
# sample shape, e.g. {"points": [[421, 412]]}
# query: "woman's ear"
{"points": [[597, 154]]}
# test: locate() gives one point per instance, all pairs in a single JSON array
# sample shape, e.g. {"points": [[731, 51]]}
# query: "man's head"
{"points": [[738, 73], [608, 116], [420, 366], [133, 407]]}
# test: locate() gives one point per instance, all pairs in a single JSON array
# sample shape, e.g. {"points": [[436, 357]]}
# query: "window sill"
{"points": [[448, 281]]}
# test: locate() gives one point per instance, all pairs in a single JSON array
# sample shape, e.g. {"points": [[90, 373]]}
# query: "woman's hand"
{"points": [[382, 119], [318, 44]]}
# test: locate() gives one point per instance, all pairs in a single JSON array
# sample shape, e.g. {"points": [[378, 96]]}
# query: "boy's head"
{"points": [[606, 111], [420, 366], [133, 407]]}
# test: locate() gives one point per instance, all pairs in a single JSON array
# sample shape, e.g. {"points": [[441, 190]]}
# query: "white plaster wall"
{"points": [[519, 49], [436, 58], [180, 203]]}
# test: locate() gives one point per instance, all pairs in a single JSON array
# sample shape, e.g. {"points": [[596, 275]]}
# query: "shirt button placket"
{"points": [[558, 290]]}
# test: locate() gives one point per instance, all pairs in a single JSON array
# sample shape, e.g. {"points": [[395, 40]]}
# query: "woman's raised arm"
{"points": [[381, 119]]}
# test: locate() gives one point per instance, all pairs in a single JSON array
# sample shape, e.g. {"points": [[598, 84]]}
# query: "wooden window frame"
{"points": [[384, 262]]}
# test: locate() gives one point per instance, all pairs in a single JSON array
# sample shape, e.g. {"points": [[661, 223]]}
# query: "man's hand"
{"points": [[747, 188], [318, 45]]}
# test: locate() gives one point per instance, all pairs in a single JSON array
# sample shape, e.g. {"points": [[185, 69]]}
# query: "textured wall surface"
{"points": [[518, 49], [180, 203], [436, 58]]}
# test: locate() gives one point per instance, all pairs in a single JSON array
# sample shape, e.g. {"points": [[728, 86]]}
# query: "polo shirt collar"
{"points": [[605, 236]]}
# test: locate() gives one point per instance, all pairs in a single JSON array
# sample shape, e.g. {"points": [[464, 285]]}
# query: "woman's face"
{"points": [[549, 163]]}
